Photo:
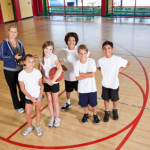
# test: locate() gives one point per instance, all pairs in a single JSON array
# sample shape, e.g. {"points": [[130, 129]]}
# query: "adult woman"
{"points": [[12, 53]]}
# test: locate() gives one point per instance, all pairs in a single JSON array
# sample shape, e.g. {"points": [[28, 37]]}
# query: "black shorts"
{"points": [[28, 101], [54, 88], [71, 85], [88, 98], [110, 94]]}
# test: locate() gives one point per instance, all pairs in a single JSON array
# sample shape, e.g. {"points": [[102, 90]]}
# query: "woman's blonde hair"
{"points": [[12, 26], [46, 44]]}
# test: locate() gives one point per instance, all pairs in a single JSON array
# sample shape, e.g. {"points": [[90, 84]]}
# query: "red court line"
{"points": [[145, 98], [32, 118], [82, 144]]}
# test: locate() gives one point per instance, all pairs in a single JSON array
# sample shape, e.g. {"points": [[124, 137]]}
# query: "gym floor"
{"points": [[132, 130]]}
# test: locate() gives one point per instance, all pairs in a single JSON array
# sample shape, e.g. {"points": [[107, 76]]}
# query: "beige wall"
{"points": [[109, 6], [7, 10], [26, 8]]}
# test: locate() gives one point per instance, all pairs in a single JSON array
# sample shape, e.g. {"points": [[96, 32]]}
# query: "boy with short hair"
{"points": [[84, 70], [110, 66]]}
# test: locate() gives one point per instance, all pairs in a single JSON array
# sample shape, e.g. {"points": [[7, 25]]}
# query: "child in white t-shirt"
{"points": [[69, 56], [110, 66], [46, 62], [84, 70], [30, 81]]}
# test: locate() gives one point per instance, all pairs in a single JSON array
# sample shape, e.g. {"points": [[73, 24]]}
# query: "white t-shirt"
{"points": [[31, 82], [110, 70], [87, 85], [49, 63], [69, 58]]}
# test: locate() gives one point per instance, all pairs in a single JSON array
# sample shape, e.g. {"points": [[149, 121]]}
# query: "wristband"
{"points": [[41, 98]]}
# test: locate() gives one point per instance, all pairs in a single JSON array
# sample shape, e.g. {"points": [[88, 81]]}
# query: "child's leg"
{"points": [[86, 110], [28, 111], [38, 113], [56, 103], [50, 105], [115, 104], [107, 112], [115, 110], [106, 104], [68, 95], [94, 110]]}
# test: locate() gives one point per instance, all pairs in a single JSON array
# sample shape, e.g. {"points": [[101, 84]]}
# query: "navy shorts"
{"points": [[110, 94], [28, 101], [88, 98], [54, 88], [71, 85]]}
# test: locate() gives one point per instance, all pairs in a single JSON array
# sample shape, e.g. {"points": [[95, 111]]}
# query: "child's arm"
{"points": [[88, 74], [41, 91], [123, 68], [58, 72], [48, 81], [22, 87], [85, 75]]}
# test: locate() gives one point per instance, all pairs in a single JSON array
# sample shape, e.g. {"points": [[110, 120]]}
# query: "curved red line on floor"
{"points": [[82, 144]]}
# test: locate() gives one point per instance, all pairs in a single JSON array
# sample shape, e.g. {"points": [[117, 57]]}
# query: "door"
{"points": [[7, 10], [26, 8]]}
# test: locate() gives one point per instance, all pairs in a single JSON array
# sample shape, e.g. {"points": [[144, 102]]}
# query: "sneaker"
{"points": [[57, 122], [96, 119], [66, 106], [51, 122], [20, 110], [115, 114], [39, 131], [28, 130], [106, 117], [85, 118]]}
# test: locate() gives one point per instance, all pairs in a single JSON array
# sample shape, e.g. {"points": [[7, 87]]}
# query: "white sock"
{"points": [[68, 101]]}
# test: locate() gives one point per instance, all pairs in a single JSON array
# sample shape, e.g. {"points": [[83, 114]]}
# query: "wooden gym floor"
{"points": [[131, 131]]}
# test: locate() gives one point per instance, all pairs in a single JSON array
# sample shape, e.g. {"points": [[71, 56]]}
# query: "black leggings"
{"points": [[12, 81]]}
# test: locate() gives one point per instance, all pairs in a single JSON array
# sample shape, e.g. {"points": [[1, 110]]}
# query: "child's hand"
{"points": [[37, 101], [34, 100], [50, 82]]}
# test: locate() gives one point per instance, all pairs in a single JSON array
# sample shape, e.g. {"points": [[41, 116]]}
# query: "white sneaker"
{"points": [[57, 122], [51, 122], [28, 130], [39, 131], [20, 110]]}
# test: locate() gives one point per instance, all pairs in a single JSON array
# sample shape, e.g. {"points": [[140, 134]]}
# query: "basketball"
{"points": [[52, 74]]}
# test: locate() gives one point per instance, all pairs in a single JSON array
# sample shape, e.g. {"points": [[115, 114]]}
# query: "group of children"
{"points": [[79, 70]]}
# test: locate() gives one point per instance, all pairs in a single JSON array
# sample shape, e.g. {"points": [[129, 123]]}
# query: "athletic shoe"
{"points": [[39, 131], [51, 122], [28, 130], [115, 114], [85, 118], [66, 106], [57, 122], [20, 110], [96, 119], [106, 117]]}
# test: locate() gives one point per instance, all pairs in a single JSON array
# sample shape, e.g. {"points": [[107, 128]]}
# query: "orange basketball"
{"points": [[52, 74]]}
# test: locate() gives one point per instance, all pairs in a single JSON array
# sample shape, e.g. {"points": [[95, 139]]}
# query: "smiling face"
{"points": [[71, 43], [29, 63], [83, 54], [108, 50], [13, 33], [48, 50]]}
